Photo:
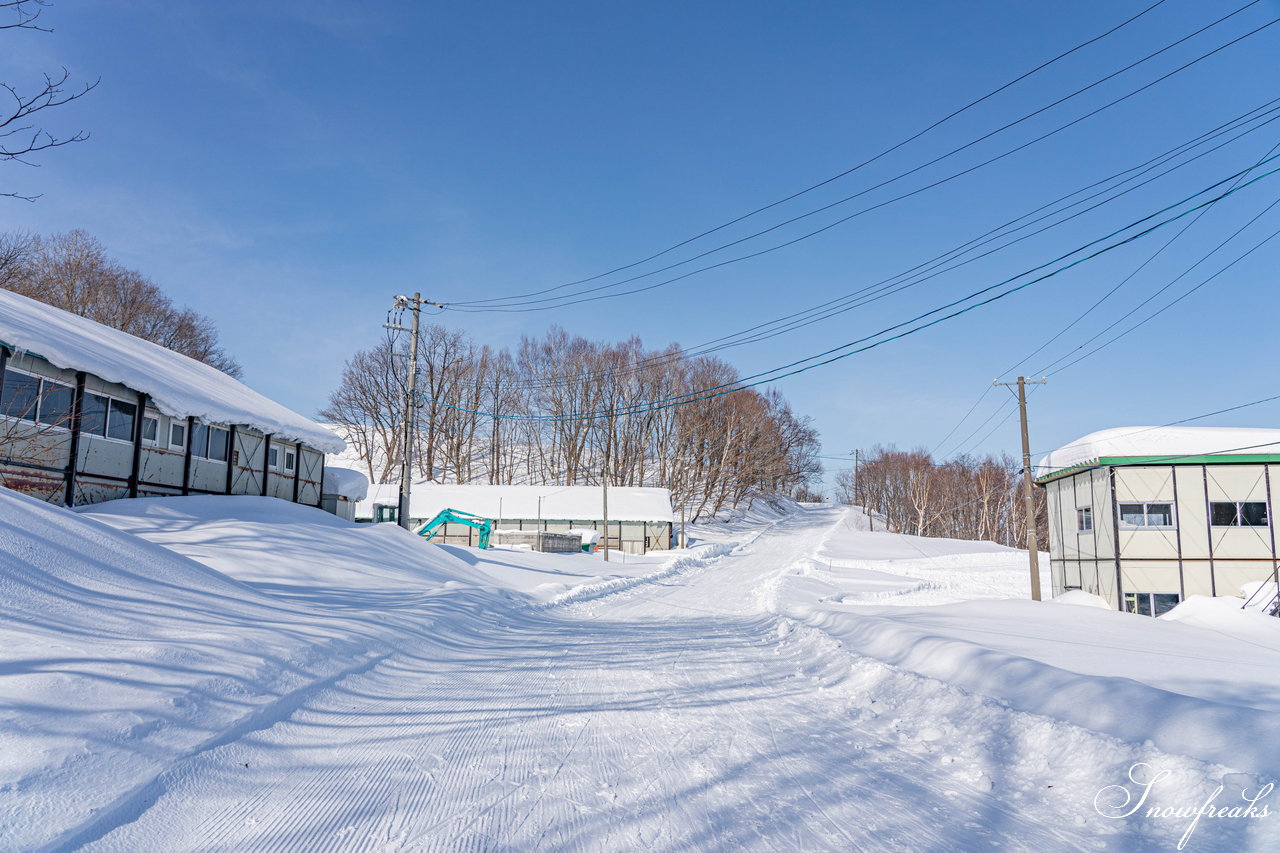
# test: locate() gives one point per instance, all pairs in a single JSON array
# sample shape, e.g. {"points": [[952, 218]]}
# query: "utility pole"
{"points": [[604, 480], [857, 490], [413, 303], [1028, 482]]}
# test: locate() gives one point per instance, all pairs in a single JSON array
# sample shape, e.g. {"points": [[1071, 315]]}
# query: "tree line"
{"points": [[516, 416], [967, 497], [73, 271]]}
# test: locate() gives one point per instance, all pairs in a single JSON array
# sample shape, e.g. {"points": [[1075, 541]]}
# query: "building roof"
{"points": [[345, 483], [1162, 445], [177, 385], [559, 503]]}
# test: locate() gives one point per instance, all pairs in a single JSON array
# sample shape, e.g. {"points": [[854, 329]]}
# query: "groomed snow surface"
{"points": [[244, 674]]}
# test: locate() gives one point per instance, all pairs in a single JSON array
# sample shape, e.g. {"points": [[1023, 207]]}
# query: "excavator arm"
{"points": [[456, 516]]}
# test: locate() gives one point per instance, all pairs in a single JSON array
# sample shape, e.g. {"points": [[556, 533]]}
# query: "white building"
{"points": [[89, 413], [640, 519], [1146, 516]]}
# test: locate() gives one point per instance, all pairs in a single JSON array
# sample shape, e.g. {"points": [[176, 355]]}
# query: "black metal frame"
{"points": [[266, 462], [186, 456], [135, 466], [231, 457], [73, 456]]}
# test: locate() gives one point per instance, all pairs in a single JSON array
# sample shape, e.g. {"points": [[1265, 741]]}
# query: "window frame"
{"points": [[208, 430], [226, 443], [36, 419], [154, 441], [290, 460], [111, 409], [1146, 512], [1149, 598], [1083, 514], [1240, 516], [180, 445]]}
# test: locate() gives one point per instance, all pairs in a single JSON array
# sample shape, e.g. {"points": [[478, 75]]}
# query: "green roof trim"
{"points": [[1123, 461]]}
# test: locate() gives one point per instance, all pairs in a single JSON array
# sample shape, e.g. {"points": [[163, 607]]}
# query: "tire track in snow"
{"points": [[683, 718]]}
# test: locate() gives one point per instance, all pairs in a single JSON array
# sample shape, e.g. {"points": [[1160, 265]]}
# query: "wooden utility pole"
{"points": [[1028, 483], [413, 303], [857, 490], [604, 480]]}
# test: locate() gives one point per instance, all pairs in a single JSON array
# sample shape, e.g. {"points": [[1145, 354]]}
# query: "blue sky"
{"points": [[287, 167]]}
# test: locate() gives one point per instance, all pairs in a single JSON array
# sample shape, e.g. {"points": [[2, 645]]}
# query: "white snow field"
{"points": [[244, 674]]}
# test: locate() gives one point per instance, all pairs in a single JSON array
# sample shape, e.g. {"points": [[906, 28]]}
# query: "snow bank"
{"points": [[121, 657], [1080, 598], [1200, 681], [1160, 441], [570, 503], [178, 386], [1189, 691], [345, 483]]}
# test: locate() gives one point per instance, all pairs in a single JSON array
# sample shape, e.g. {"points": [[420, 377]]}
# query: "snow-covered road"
{"points": [[679, 714]]}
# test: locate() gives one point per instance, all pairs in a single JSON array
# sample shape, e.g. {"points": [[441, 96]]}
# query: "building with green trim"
{"points": [[1147, 516]]}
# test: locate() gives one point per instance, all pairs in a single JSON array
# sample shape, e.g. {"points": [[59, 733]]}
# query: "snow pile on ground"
{"points": [[121, 657], [345, 483], [1195, 687], [215, 673], [178, 386]]}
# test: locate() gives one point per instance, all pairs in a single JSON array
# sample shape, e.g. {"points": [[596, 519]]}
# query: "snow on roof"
{"points": [[345, 483], [1161, 441], [177, 385], [562, 503]]}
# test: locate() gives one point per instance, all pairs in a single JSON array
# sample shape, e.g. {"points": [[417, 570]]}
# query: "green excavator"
{"points": [[457, 516]]}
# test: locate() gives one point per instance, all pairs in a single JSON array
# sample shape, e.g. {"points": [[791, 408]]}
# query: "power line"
{"points": [[886, 287], [850, 170], [835, 354], [524, 305], [1146, 320]]}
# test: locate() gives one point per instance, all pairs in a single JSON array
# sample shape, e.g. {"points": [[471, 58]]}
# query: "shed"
{"points": [[640, 518], [1146, 516], [89, 413]]}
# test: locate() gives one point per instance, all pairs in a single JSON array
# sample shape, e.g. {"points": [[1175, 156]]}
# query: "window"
{"points": [[385, 513], [209, 442], [273, 457], [199, 439], [93, 416], [121, 418], [150, 429], [1084, 519], [1151, 603], [55, 403], [290, 460], [1238, 513], [218, 444], [178, 435], [19, 395], [1146, 515]]}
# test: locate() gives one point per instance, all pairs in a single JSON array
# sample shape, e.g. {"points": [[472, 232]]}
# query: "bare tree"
{"points": [[72, 271], [566, 410], [22, 135], [960, 498]]}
